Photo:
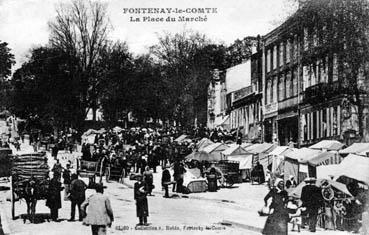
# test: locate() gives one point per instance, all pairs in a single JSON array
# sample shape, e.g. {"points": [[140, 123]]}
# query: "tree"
{"points": [[339, 29], [181, 74], [81, 29], [45, 86], [6, 60], [6, 63]]}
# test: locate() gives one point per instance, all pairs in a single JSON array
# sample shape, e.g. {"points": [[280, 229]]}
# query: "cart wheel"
{"points": [[230, 182]]}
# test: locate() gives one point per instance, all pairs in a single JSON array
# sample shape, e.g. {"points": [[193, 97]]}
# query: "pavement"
{"points": [[227, 211]]}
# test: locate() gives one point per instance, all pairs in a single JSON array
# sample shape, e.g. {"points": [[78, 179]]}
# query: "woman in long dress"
{"points": [[276, 223]]}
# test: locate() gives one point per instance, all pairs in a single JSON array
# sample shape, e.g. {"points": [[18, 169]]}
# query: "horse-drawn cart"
{"points": [[229, 171], [29, 180]]}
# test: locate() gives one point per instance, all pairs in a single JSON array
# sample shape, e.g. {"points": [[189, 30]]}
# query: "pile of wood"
{"points": [[27, 167]]}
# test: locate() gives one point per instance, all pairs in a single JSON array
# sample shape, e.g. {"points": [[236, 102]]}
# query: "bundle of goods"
{"points": [[28, 168], [5, 162]]}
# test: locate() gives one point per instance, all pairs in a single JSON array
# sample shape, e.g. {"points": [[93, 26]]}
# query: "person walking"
{"points": [[312, 199], [57, 169], [77, 196], [53, 200], [149, 180], [142, 208], [165, 181], [66, 181], [99, 213], [276, 223]]}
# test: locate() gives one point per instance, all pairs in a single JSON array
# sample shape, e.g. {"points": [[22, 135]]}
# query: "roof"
{"points": [[279, 150], [356, 148], [303, 155], [214, 147], [260, 148], [180, 138], [328, 145], [324, 156], [355, 167], [203, 143], [235, 149]]}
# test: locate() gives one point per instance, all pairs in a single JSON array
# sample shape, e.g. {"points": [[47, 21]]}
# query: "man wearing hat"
{"points": [[312, 199], [140, 195], [166, 180]]}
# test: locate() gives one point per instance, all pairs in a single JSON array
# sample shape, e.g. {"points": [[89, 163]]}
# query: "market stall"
{"points": [[238, 154], [324, 158], [296, 163], [328, 145], [355, 167], [210, 153], [356, 148], [277, 156]]}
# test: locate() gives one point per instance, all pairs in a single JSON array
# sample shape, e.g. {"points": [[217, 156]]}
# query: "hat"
{"points": [[277, 181], [310, 179]]}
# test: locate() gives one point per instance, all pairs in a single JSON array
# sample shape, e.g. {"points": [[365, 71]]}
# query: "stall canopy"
{"points": [[234, 149], [329, 145], [222, 122], [238, 154], [260, 148], [245, 145], [325, 158], [327, 171], [209, 153], [117, 129], [297, 158], [203, 143], [354, 167], [180, 138], [277, 156], [356, 148], [296, 192]]}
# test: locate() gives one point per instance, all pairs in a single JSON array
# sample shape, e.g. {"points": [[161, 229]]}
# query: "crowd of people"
{"points": [[316, 206]]}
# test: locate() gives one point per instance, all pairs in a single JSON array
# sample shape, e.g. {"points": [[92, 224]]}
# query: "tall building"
{"points": [[305, 98]]}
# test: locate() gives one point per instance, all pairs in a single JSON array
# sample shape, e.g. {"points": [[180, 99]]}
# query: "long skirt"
{"points": [[276, 224], [142, 208]]}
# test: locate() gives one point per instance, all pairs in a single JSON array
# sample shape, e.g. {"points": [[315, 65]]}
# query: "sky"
{"points": [[24, 23]]}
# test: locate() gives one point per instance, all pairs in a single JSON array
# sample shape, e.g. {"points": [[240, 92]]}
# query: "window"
{"points": [[271, 90], [281, 53], [288, 51], [275, 54], [295, 82], [281, 88], [335, 123], [288, 85], [268, 60], [324, 123]]}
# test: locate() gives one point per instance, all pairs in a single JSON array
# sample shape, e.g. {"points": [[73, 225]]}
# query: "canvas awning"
{"points": [[302, 155], [327, 171], [209, 153], [234, 149], [245, 160], [203, 143], [325, 158], [296, 192], [260, 148], [180, 138], [356, 148], [355, 167], [329, 145]]}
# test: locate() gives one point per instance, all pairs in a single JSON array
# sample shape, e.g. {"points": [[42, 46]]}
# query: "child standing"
{"points": [[295, 214]]}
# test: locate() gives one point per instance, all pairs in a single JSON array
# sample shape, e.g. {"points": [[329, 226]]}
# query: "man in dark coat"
{"points": [[165, 181], [53, 198], [142, 208], [312, 199], [77, 196]]}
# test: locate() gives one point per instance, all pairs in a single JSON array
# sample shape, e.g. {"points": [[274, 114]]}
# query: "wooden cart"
{"points": [[24, 168], [230, 171]]}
